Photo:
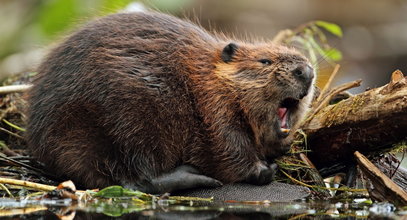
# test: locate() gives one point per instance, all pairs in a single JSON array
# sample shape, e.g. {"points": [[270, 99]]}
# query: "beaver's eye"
{"points": [[265, 61]]}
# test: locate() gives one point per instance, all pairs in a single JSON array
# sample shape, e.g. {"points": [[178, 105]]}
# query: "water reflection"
{"points": [[12, 209]]}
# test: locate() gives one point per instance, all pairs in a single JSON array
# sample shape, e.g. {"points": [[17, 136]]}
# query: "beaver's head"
{"points": [[275, 86]]}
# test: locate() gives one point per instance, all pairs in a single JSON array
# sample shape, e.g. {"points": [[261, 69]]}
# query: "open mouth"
{"points": [[286, 108]]}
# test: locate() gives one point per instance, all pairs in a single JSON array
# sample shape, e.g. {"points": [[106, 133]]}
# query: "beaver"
{"points": [[154, 102]]}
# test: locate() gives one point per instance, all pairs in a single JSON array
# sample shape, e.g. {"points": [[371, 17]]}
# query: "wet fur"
{"points": [[131, 96]]}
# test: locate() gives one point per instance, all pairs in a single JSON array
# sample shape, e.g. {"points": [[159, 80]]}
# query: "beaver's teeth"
{"points": [[285, 130]]}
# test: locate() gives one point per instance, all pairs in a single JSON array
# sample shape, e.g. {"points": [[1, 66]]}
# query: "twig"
{"points": [[14, 88], [296, 181], [326, 100], [328, 84], [328, 188], [23, 165], [282, 35], [29, 184], [398, 165], [336, 91], [7, 151], [11, 133], [6, 189]]}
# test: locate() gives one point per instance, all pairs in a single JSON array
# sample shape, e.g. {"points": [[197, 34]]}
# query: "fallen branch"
{"points": [[383, 188]]}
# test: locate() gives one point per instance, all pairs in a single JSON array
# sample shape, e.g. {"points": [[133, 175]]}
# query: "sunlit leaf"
{"points": [[333, 54], [327, 53], [330, 27]]}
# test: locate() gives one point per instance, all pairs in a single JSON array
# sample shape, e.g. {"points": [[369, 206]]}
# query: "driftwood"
{"points": [[390, 166], [372, 121], [382, 187]]}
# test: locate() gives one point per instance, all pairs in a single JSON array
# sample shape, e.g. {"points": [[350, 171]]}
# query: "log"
{"points": [[372, 121], [383, 188]]}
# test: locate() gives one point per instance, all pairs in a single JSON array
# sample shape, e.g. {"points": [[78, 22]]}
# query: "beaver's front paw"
{"points": [[262, 174]]}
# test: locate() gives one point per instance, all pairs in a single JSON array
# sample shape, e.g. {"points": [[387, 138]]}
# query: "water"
{"points": [[166, 209]]}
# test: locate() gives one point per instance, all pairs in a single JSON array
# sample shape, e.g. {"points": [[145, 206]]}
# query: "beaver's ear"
{"points": [[228, 52]]}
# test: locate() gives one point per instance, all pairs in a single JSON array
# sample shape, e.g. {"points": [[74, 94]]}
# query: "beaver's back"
{"points": [[118, 85]]}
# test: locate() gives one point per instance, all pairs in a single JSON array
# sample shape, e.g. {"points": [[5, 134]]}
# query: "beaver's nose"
{"points": [[304, 73]]}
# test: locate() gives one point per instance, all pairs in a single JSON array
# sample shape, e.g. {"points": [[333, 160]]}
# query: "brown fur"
{"points": [[131, 96]]}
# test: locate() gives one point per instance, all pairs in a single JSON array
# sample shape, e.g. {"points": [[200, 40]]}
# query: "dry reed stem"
{"points": [[13, 89], [37, 186]]}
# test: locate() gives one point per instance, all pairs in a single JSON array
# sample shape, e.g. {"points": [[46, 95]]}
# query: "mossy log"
{"points": [[372, 121]]}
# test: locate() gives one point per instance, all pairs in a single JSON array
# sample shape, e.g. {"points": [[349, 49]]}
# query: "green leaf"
{"points": [[333, 54], [330, 27], [327, 53], [119, 191]]}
